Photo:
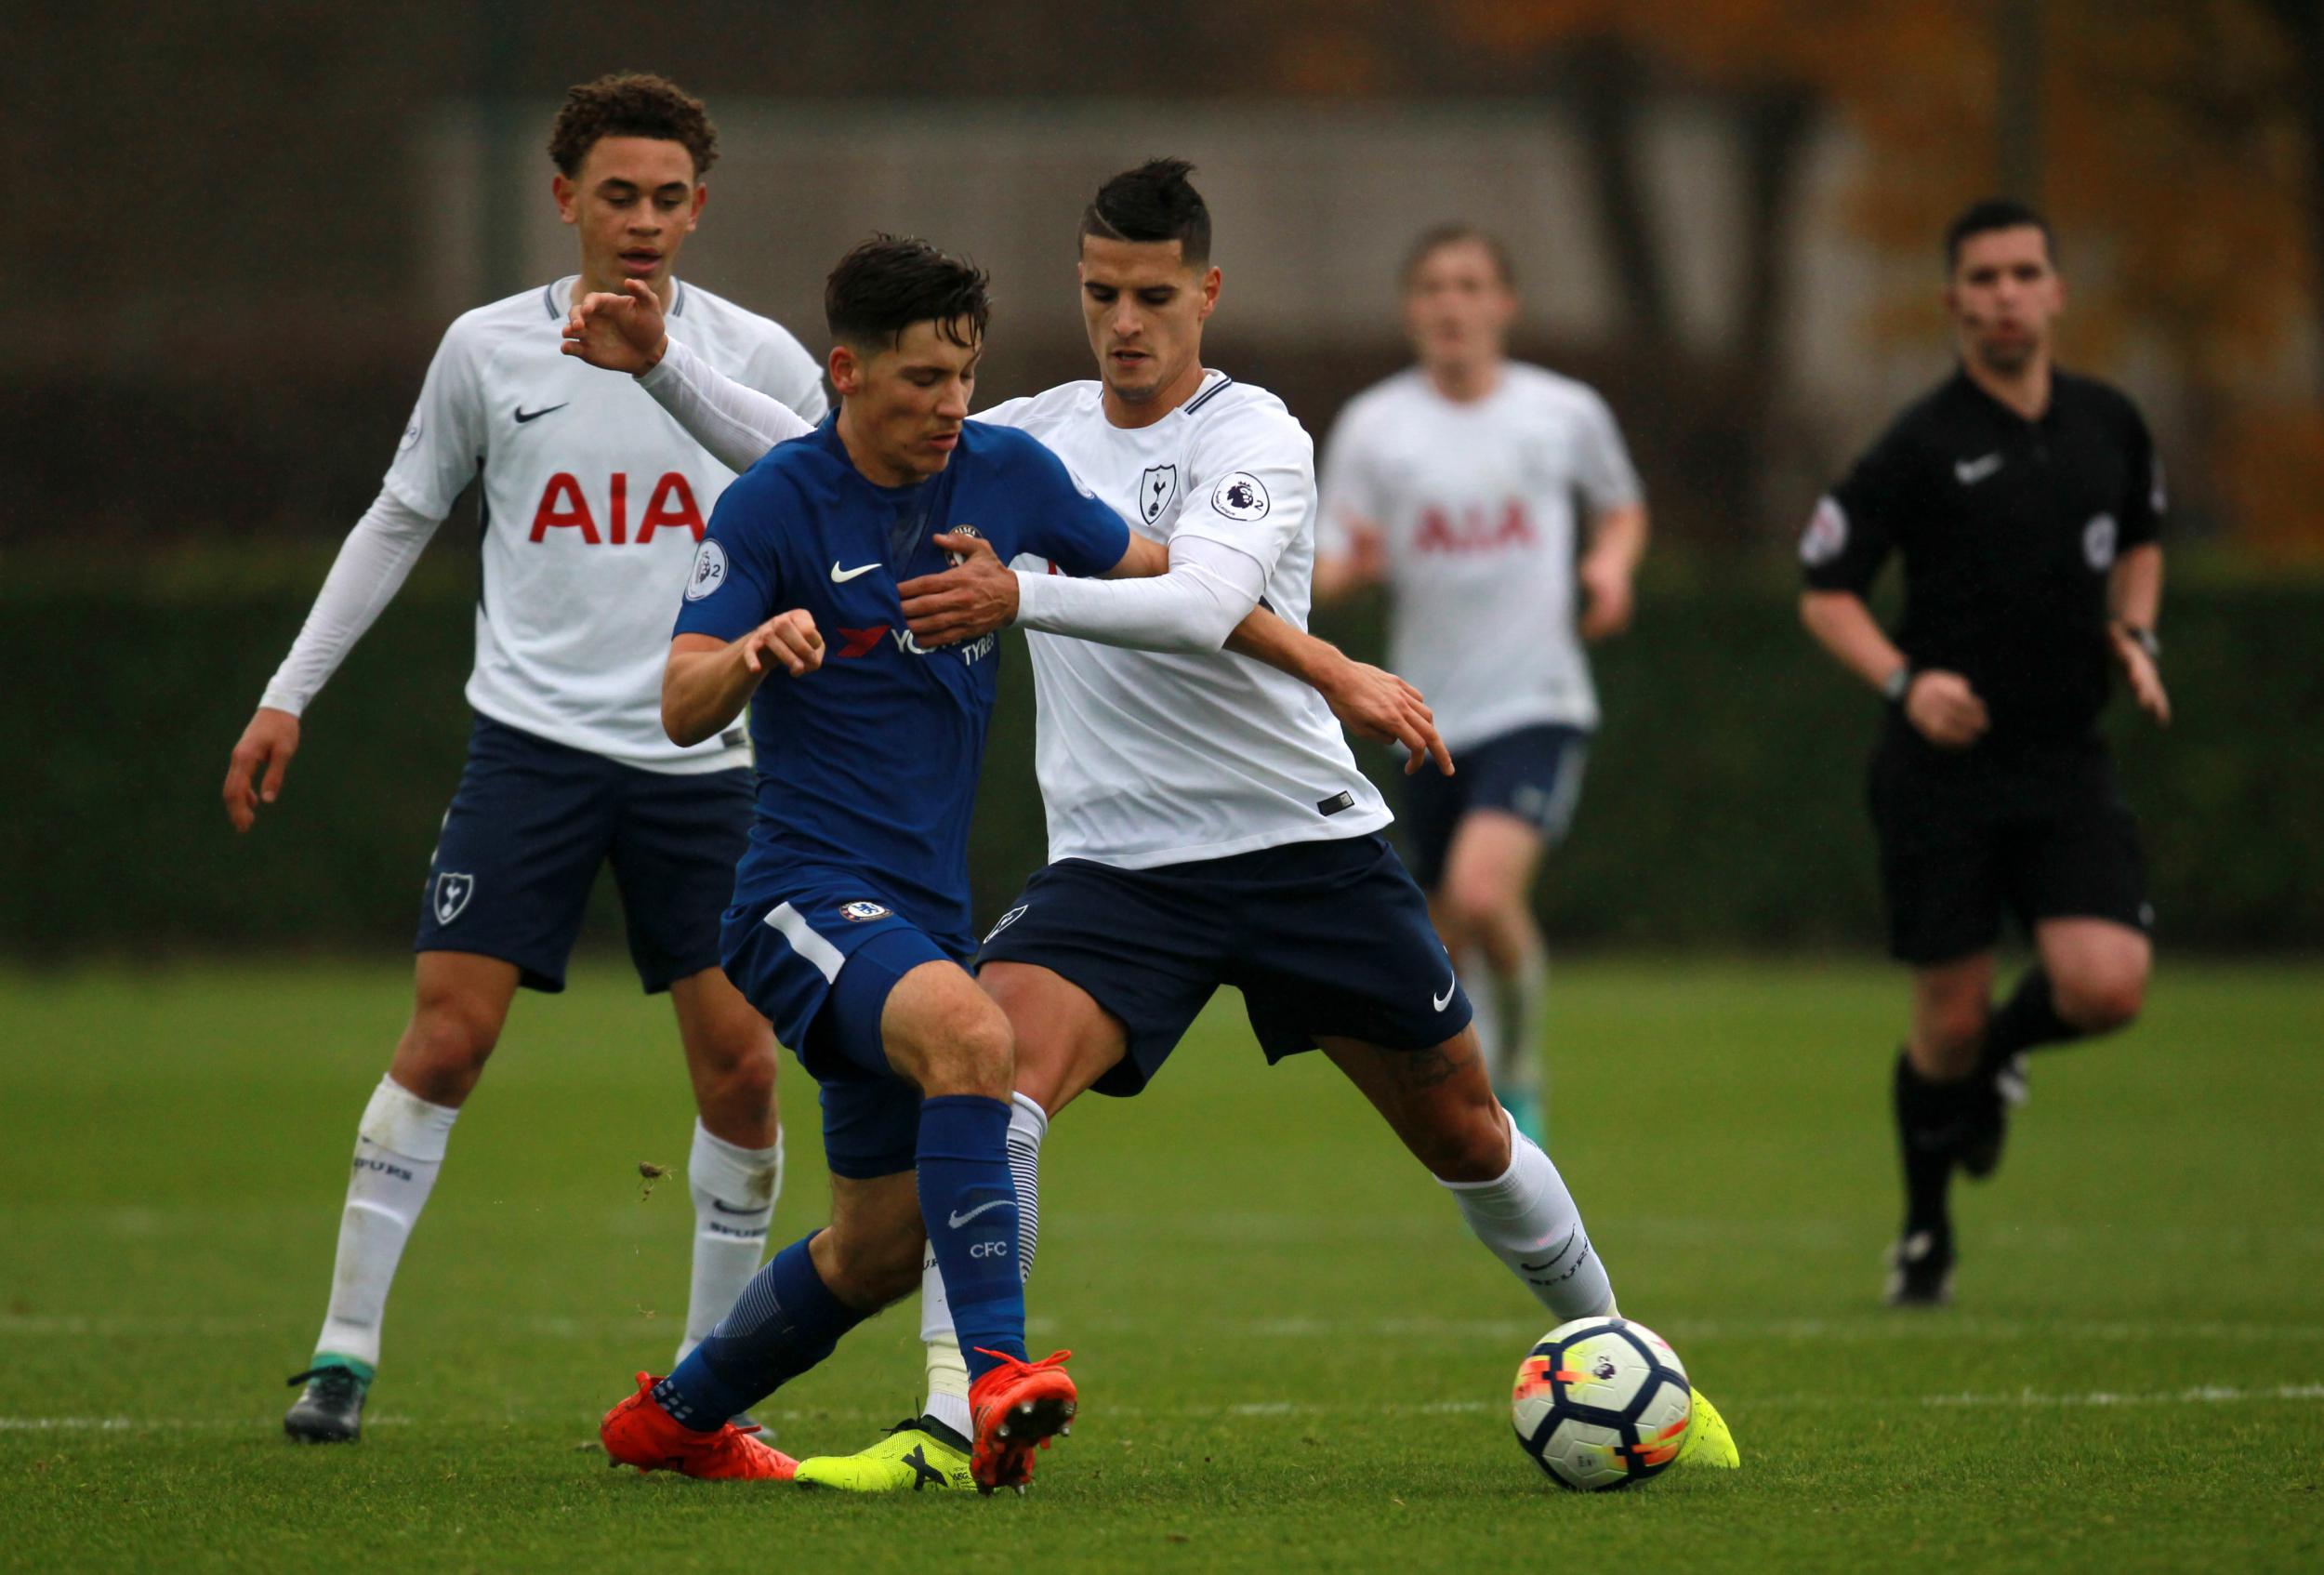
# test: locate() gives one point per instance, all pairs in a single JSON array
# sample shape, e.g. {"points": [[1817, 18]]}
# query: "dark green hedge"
{"points": [[1725, 804]]}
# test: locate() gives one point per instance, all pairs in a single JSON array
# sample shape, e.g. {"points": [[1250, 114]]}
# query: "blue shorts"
{"points": [[528, 830], [1322, 938], [1534, 773], [818, 963]]}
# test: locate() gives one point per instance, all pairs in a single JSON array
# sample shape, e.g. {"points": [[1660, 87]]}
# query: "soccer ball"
{"points": [[1602, 1403]]}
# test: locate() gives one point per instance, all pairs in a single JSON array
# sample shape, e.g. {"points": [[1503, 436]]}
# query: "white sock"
{"points": [[947, 1370], [398, 1148], [734, 1189], [1528, 1220], [1514, 1059]]}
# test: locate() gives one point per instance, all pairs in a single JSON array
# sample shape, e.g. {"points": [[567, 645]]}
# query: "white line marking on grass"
{"points": [[2204, 1395], [1872, 1327], [2027, 1399], [72, 1326], [162, 1424]]}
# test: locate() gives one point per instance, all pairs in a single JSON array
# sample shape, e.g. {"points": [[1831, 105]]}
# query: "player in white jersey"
{"points": [[593, 500], [1208, 823], [1455, 482]]}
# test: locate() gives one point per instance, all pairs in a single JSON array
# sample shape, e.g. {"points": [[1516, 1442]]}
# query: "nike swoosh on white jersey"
{"points": [[841, 577], [1445, 999], [957, 1221], [1971, 471]]}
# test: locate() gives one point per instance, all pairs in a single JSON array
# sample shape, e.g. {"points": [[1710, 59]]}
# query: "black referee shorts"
{"points": [[2039, 833]]}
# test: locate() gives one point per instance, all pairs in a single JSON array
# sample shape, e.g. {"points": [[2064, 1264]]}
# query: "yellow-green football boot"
{"points": [[1708, 1441], [917, 1453]]}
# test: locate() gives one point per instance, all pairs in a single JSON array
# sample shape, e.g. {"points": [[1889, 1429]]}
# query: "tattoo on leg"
{"points": [[1433, 1067]]}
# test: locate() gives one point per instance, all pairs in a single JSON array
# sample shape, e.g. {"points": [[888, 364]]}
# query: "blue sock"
{"points": [[784, 1322], [969, 1200]]}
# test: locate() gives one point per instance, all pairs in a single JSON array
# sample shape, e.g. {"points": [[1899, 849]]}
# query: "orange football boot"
{"points": [[1014, 1409], [638, 1432]]}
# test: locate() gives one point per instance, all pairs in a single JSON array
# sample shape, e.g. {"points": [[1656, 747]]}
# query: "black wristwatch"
{"points": [[1898, 685], [2145, 640]]}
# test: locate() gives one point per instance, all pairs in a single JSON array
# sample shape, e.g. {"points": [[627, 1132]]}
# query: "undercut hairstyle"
{"points": [[1436, 240], [630, 105], [1996, 213], [890, 281], [1150, 204]]}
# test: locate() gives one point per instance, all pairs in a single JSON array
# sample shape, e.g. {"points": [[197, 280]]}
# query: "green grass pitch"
{"points": [[1291, 1354]]}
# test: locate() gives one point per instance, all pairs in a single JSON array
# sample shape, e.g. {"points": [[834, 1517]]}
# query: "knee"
{"points": [[741, 1075], [446, 1046], [2100, 1001], [1467, 1142], [976, 1054], [1473, 903]]}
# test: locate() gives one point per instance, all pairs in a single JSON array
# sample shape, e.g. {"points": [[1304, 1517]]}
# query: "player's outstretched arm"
{"points": [[1187, 597], [1370, 702], [627, 332], [371, 567], [706, 681]]}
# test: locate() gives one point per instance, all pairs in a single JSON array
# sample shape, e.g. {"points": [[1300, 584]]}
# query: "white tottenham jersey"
{"points": [[1149, 758], [594, 500], [1475, 503]]}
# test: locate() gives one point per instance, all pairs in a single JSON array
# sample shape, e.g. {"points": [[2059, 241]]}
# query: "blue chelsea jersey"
{"points": [[867, 767]]}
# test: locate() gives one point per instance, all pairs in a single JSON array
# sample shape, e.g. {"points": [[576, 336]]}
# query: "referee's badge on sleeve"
{"points": [[1826, 534], [2098, 537], [709, 570]]}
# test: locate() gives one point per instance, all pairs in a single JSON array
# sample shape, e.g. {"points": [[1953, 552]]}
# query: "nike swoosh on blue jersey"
{"points": [[839, 576]]}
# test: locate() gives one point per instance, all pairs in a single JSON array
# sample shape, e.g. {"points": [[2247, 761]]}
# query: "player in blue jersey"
{"points": [[1207, 823], [851, 921]]}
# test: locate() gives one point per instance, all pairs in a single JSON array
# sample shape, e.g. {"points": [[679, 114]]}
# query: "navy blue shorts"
{"points": [[1534, 773], [532, 824], [819, 963], [1322, 938]]}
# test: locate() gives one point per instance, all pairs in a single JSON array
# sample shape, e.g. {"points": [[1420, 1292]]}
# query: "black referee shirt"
{"points": [[2007, 528]]}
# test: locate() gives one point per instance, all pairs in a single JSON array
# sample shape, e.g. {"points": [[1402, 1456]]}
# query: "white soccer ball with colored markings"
{"points": [[1602, 1403]]}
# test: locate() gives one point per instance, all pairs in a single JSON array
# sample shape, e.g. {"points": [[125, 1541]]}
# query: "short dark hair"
{"points": [[890, 281], [1996, 213], [630, 105], [1153, 203], [1457, 234]]}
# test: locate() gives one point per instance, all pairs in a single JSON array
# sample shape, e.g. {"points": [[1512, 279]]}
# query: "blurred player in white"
{"points": [[1207, 823], [1455, 482], [593, 503]]}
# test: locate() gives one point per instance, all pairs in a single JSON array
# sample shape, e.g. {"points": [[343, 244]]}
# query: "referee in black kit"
{"points": [[2024, 502]]}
